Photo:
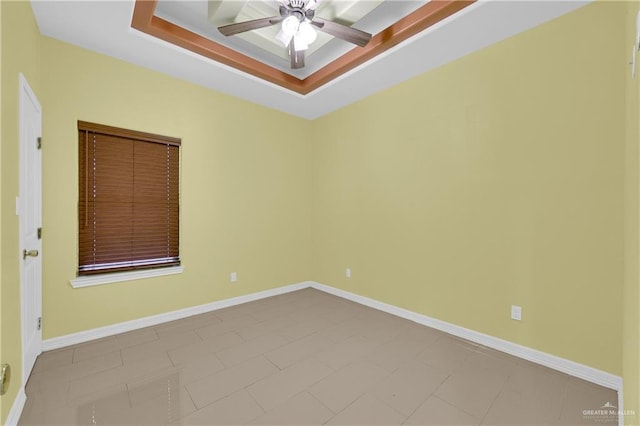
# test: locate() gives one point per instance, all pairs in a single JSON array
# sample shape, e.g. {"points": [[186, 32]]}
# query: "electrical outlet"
{"points": [[516, 313], [347, 273], [234, 277]]}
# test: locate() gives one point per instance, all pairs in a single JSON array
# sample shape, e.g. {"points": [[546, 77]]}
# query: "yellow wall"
{"points": [[245, 200], [631, 301], [502, 178], [20, 48], [491, 181]]}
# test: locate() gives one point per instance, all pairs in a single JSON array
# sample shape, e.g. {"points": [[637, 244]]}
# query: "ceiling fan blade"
{"points": [[342, 32], [297, 57], [241, 27]]}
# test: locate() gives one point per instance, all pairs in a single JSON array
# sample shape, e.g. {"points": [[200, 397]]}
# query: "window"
{"points": [[128, 204]]}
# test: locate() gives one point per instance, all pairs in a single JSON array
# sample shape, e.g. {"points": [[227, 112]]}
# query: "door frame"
{"points": [[26, 94]]}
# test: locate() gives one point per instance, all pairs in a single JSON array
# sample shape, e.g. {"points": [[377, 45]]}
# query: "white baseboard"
{"points": [[16, 408], [123, 327], [620, 406], [572, 368]]}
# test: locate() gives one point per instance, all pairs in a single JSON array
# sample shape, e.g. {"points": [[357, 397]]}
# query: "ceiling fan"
{"points": [[297, 32]]}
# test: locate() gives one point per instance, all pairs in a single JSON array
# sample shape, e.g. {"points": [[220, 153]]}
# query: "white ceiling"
{"points": [[104, 27]]}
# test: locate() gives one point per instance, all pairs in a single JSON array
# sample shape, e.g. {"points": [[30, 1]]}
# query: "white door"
{"points": [[29, 207]]}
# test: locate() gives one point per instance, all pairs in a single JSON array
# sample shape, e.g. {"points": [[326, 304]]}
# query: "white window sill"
{"points": [[116, 277]]}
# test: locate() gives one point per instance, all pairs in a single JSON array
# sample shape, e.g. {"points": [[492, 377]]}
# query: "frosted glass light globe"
{"points": [[306, 33], [290, 25], [299, 43]]}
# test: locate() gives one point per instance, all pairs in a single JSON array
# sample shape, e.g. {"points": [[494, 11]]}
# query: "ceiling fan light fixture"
{"points": [[284, 38], [299, 43], [306, 33], [297, 28], [290, 25]]}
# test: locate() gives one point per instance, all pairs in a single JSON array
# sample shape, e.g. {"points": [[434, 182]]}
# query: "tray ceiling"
{"points": [[391, 22], [176, 38]]}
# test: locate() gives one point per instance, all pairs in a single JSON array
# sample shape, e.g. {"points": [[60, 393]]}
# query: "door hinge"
{"points": [[39, 233], [39, 323], [39, 144]]}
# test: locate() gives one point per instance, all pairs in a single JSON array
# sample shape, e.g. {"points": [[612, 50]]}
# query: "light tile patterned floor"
{"points": [[303, 358]]}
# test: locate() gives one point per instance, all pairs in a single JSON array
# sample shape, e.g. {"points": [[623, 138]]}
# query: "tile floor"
{"points": [[303, 358]]}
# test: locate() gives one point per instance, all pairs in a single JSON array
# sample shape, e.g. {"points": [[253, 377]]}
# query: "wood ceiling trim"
{"points": [[422, 18]]}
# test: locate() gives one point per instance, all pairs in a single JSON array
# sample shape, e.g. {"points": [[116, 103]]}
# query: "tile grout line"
{"points": [[484, 417], [264, 410]]}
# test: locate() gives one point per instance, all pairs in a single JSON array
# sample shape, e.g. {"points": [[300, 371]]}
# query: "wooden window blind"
{"points": [[128, 207]]}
